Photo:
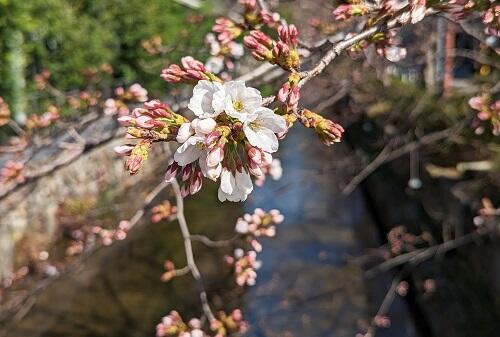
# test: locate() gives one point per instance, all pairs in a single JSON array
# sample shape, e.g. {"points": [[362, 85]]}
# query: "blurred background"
{"points": [[414, 170]]}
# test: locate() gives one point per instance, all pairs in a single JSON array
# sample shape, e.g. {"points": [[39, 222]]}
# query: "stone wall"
{"points": [[31, 209]]}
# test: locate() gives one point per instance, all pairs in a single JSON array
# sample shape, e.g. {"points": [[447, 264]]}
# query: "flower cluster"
{"points": [[81, 236], [253, 18], [12, 171], [282, 52], [42, 79], [231, 135], [491, 20], [347, 11], [44, 120], [273, 169], [165, 210], [488, 111], [223, 55], [226, 325], [119, 104], [4, 112], [153, 46], [328, 131], [289, 93], [386, 46], [84, 99], [173, 325], [170, 271], [245, 266], [258, 224], [400, 241], [109, 235], [153, 123], [191, 71], [416, 12]]}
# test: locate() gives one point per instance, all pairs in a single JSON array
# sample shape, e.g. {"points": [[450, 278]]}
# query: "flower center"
{"points": [[238, 105], [200, 146]]}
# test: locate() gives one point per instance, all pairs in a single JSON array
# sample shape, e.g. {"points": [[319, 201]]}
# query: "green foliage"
{"points": [[69, 36]]}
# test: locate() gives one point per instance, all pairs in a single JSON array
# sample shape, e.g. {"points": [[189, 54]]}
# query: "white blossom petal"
{"points": [[244, 182], [189, 151], [203, 96], [268, 119], [185, 131], [261, 137], [205, 126], [227, 182]]}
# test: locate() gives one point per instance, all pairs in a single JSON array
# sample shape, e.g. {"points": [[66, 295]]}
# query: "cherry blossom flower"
{"points": [[261, 127], [12, 171], [416, 12], [165, 210], [488, 111], [241, 101], [245, 266], [258, 224], [491, 20], [234, 186], [208, 99], [273, 169], [226, 325]]}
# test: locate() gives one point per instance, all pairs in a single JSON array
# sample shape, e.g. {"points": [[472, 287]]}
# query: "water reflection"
{"points": [[305, 287]]}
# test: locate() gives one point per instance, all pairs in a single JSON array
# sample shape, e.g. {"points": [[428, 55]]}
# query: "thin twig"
{"points": [[189, 252], [386, 304], [213, 243], [386, 156], [421, 255]]}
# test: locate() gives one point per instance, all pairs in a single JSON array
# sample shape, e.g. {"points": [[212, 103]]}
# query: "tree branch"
{"points": [[189, 252]]}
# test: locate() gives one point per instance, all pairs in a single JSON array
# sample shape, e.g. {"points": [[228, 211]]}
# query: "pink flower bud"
{"points": [[215, 157], [205, 126], [189, 63], [134, 163], [171, 172], [283, 92], [196, 74], [212, 138], [170, 78], [267, 158], [137, 112], [250, 42], [123, 150], [476, 102], [294, 97], [293, 34], [283, 33], [255, 170], [145, 122], [185, 131], [214, 172], [185, 190], [281, 50], [154, 104], [186, 172], [262, 38], [126, 121], [255, 155], [195, 185]]}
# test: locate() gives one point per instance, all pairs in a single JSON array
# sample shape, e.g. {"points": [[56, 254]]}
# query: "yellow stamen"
{"points": [[238, 105]]}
